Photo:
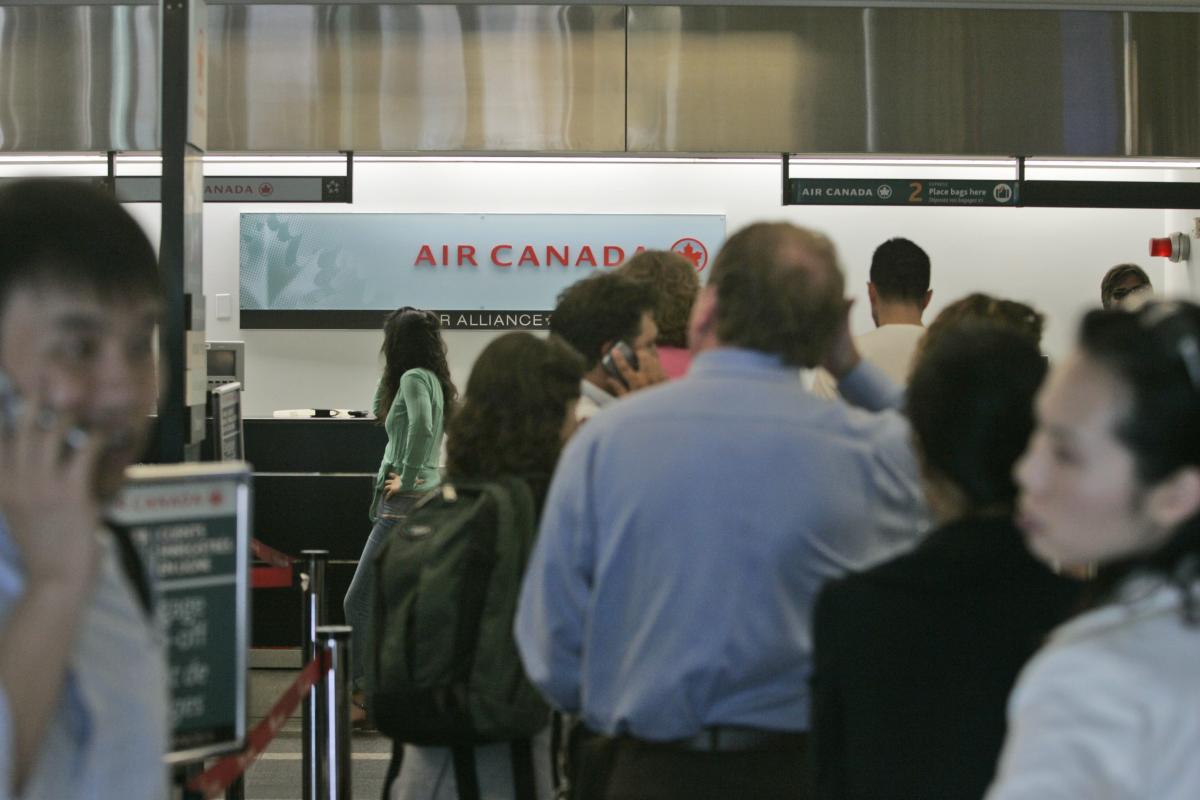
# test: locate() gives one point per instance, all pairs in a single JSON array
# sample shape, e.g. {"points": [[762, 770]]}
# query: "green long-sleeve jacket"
{"points": [[414, 426]]}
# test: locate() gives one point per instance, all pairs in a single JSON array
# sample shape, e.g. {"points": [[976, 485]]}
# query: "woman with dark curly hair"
{"points": [[675, 284], [410, 403], [1110, 706], [518, 411]]}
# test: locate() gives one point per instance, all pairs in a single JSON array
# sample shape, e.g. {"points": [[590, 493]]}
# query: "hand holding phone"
{"points": [[47, 486], [627, 370], [610, 365]]}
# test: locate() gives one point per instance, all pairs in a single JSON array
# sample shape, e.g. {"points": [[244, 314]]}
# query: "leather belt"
{"points": [[729, 739]]}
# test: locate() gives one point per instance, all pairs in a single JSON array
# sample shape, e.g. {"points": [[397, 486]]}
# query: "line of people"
{"points": [[741, 589]]}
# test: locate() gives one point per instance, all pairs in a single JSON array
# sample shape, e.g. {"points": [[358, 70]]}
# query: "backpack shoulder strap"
{"points": [[464, 772], [524, 785], [133, 567]]}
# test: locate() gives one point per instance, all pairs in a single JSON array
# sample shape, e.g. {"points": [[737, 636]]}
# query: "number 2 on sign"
{"points": [[915, 197]]}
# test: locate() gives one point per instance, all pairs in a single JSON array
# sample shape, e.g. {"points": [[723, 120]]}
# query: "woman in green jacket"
{"points": [[413, 396]]}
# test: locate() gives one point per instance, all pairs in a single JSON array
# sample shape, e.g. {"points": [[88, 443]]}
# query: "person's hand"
{"points": [[648, 373], [47, 493], [842, 355], [391, 486]]}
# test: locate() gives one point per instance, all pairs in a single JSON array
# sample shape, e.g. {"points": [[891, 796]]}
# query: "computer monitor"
{"points": [[226, 363]]}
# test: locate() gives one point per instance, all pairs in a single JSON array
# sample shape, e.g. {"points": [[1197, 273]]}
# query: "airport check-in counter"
{"points": [[312, 490]]}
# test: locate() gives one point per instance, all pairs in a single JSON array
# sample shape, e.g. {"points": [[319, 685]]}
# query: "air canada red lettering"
{"points": [[496, 255], [586, 256], [613, 255], [466, 255], [425, 256], [554, 254], [529, 256]]}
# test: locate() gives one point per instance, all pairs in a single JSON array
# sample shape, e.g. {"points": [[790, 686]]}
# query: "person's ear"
{"points": [[1176, 498], [872, 297], [702, 325], [928, 297]]}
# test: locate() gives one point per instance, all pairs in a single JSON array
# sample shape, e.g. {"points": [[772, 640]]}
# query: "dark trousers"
{"points": [[605, 768]]}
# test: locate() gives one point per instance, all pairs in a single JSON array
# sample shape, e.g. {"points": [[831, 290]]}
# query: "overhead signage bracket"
{"points": [[913, 192]]}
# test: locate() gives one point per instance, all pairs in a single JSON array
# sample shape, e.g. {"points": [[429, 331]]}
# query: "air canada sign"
{"points": [[562, 254], [481, 271]]}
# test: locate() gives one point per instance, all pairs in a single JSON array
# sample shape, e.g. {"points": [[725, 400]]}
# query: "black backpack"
{"points": [[443, 667]]}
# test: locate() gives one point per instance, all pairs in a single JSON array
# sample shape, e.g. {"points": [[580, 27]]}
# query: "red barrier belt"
{"points": [[271, 577], [217, 778], [270, 555]]}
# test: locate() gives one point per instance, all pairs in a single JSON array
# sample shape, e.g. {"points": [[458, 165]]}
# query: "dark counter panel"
{"points": [[313, 512], [314, 445], [276, 619]]}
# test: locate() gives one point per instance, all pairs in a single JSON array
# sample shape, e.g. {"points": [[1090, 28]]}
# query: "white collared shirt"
{"points": [[1110, 707], [591, 399]]}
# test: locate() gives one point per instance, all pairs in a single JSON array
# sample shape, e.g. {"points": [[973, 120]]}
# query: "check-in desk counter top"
{"points": [[312, 490]]}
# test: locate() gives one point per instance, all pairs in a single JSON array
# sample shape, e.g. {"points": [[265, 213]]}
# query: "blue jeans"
{"points": [[389, 516]]}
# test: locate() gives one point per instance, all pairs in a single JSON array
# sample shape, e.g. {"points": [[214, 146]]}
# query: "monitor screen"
{"points": [[222, 363]]}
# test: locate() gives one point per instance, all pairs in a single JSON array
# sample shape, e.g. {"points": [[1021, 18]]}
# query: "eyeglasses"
{"points": [[1122, 292], [1171, 319]]}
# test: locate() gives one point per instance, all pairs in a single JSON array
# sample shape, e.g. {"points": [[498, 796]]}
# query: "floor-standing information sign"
{"points": [[192, 525]]}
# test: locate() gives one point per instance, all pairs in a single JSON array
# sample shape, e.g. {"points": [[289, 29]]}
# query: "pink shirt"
{"points": [[675, 361]]}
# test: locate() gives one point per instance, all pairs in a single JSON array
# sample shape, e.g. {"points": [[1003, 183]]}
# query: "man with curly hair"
{"points": [[675, 284], [596, 314]]}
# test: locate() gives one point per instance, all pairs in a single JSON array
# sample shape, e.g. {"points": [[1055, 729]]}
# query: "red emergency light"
{"points": [[1175, 247]]}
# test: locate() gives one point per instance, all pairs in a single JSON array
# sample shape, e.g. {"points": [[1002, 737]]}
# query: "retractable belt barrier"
{"points": [[323, 685], [218, 777], [278, 575]]}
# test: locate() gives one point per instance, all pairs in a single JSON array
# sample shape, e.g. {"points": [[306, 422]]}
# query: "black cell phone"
{"points": [[610, 366]]}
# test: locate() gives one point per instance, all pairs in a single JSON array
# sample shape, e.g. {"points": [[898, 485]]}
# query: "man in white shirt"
{"points": [[594, 316], [899, 293], [83, 681]]}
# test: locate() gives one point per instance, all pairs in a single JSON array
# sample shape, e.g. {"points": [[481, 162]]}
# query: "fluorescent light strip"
{"points": [[796, 160], [1127, 163], [901, 161]]}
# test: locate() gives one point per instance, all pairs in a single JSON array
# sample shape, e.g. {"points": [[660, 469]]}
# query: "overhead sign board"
{"points": [[191, 523], [476, 270], [242, 189], [893, 192]]}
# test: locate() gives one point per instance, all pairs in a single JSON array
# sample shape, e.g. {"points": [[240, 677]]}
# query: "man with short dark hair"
{"points": [[1125, 286], [83, 689], [688, 529], [899, 293], [596, 314]]}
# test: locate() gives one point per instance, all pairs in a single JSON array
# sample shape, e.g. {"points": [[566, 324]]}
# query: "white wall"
{"points": [[1051, 258]]}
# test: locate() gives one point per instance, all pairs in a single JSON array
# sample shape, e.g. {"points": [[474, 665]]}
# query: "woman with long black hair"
{"points": [[411, 401], [1110, 707]]}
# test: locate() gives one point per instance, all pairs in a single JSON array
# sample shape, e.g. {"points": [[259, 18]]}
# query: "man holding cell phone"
{"points": [[609, 319], [83, 697]]}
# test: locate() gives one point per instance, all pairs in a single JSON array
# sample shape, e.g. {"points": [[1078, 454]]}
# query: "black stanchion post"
{"points": [[237, 789], [335, 697], [183, 775], [313, 616]]}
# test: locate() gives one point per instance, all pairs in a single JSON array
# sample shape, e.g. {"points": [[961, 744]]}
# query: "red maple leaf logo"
{"points": [[216, 497], [693, 250]]}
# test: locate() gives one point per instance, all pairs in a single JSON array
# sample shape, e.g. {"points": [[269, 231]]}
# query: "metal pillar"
{"points": [[313, 616], [334, 692]]}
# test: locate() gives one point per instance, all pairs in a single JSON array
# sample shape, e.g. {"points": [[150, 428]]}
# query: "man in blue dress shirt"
{"points": [[83, 685], [688, 530]]}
